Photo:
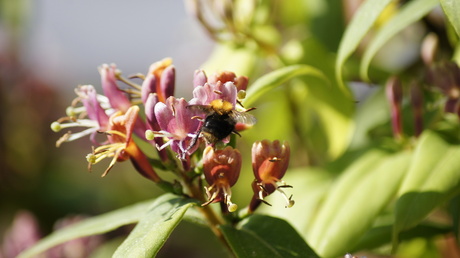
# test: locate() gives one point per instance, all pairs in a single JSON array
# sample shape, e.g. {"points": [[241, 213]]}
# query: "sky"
{"points": [[67, 40]]}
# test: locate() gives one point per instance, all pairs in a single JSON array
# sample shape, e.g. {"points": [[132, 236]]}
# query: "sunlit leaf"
{"points": [[92, 226], [241, 60], [323, 112], [360, 24], [361, 201], [381, 235], [335, 197], [452, 9], [277, 78], [408, 14], [309, 186], [264, 236], [433, 177], [154, 227]]}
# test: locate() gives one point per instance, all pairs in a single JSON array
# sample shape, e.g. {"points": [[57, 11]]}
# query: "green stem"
{"points": [[214, 221]]}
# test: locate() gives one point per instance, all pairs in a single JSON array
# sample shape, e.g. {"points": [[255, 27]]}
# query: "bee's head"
{"points": [[221, 106]]}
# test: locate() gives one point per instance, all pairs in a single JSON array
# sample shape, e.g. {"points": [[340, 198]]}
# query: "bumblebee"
{"points": [[221, 120]]}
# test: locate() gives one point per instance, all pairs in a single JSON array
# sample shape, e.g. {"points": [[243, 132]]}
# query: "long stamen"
{"points": [[127, 82], [289, 201]]}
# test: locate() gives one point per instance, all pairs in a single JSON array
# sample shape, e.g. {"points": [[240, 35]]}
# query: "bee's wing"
{"points": [[200, 108], [244, 118]]}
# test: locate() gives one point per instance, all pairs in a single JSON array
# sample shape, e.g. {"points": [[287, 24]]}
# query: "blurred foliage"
{"points": [[318, 71]]}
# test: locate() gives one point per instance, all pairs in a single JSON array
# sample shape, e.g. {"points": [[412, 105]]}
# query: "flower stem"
{"points": [[214, 221]]}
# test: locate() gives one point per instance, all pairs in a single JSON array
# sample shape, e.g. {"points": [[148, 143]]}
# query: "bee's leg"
{"points": [[194, 141], [236, 132]]}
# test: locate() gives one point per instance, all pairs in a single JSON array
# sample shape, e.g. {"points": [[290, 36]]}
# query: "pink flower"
{"points": [[93, 115], [121, 146], [118, 99], [177, 125], [160, 80], [269, 163], [221, 169], [204, 95]]}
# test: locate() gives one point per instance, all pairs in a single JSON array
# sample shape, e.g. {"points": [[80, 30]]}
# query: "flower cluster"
{"points": [[191, 138]]}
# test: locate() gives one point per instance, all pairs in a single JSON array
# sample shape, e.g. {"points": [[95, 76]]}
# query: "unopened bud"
{"points": [[394, 94]]}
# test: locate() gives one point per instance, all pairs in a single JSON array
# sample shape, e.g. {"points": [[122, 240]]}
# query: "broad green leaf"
{"points": [[276, 78], [309, 186], [338, 190], [92, 226], [372, 112], [452, 9], [408, 14], [154, 227], [324, 113], [264, 236], [361, 203], [379, 236], [360, 24], [433, 177]]}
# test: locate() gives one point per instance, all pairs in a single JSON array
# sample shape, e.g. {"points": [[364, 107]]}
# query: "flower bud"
{"points": [[269, 163], [394, 95], [221, 170]]}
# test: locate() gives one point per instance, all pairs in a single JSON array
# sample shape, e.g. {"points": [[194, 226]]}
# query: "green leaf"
{"points": [[361, 201], [360, 24], [154, 227], [335, 197], [92, 226], [264, 236], [408, 14], [276, 78], [242, 60], [433, 177], [309, 186], [379, 236], [452, 9]]}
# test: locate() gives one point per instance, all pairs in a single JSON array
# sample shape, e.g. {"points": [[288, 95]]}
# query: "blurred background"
{"points": [[47, 48]]}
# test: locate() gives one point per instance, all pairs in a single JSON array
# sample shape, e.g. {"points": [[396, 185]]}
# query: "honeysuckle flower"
{"points": [[158, 85], [160, 80], [221, 169], [270, 161], [118, 98], [177, 125], [241, 82], [204, 95], [121, 146], [93, 115]]}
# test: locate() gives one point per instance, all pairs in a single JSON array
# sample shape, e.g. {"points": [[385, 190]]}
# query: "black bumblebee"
{"points": [[221, 120]]}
